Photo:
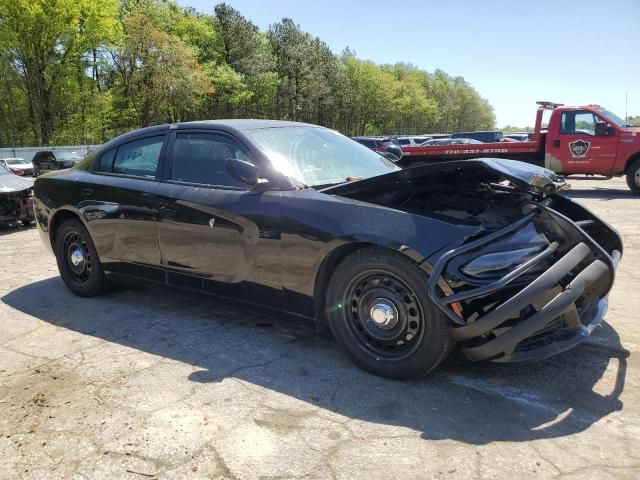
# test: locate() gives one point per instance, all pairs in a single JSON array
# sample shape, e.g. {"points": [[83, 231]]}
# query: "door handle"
{"points": [[556, 144], [86, 192]]}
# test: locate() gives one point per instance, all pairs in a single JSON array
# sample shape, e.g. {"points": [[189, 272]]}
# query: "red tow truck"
{"points": [[587, 140]]}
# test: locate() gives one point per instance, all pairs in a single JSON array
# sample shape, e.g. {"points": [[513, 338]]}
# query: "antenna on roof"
{"points": [[550, 104]]}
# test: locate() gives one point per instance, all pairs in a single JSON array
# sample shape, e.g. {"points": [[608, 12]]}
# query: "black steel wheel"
{"points": [[385, 314], [379, 312], [77, 260]]}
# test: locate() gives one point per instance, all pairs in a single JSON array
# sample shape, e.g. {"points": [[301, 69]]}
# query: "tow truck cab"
{"points": [[588, 140]]}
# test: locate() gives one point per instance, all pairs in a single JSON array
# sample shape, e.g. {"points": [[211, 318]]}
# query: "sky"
{"points": [[512, 53]]}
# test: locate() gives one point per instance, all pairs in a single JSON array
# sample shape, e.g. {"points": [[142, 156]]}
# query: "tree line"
{"points": [[83, 71]]}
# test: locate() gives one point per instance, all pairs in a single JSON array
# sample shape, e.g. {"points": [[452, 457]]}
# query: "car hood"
{"points": [[14, 183], [521, 175]]}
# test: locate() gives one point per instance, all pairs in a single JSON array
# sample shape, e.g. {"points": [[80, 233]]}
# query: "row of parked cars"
{"points": [[42, 162], [460, 138]]}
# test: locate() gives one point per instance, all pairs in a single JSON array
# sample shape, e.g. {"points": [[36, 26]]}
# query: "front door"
{"points": [[211, 227], [578, 147]]}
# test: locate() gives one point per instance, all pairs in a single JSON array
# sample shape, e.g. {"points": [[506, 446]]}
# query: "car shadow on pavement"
{"points": [[7, 229], [471, 403]]}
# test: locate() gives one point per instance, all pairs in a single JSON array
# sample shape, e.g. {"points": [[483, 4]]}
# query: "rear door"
{"points": [[215, 233], [121, 207], [578, 148]]}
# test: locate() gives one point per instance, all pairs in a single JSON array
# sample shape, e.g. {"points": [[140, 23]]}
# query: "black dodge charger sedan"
{"points": [[401, 265]]}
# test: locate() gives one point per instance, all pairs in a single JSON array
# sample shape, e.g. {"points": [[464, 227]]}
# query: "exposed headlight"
{"points": [[496, 263]]}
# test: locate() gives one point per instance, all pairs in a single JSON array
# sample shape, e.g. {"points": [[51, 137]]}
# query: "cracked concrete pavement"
{"points": [[150, 383]]}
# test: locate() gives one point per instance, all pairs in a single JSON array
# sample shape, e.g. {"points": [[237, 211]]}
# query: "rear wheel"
{"points": [[380, 314], [633, 177], [78, 261]]}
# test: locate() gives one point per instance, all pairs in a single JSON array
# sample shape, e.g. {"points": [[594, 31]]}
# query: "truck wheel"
{"points": [[78, 261], [380, 314], [633, 177]]}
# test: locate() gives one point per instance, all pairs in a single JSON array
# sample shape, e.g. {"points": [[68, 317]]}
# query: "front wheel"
{"points": [[633, 177], [380, 314], [78, 261]]}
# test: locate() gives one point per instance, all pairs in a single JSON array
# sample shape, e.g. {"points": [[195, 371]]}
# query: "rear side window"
{"points": [[202, 158], [139, 158], [405, 141]]}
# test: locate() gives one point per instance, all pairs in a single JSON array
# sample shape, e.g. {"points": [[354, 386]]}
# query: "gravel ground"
{"points": [[149, 383]]}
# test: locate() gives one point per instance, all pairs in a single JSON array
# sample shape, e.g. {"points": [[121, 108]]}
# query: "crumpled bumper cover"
{"points": [[577, 277]]}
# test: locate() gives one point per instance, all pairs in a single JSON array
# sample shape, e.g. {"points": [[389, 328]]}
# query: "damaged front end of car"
{"points": [[16, 206], [532, 289], [16, 199], [531, 280]]}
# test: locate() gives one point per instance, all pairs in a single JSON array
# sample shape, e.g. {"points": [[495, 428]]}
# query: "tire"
{"points": [[84, 276], [380, 313], [633, 177]]}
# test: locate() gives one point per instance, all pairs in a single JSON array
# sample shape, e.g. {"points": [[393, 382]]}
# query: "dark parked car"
{"points": [[48, 161], [15, 198], [400, 264], [484, 137], [387, 147]]}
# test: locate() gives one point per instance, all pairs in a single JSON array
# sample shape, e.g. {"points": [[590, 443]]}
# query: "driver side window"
{"points": [[578, 122], [202, 158]]}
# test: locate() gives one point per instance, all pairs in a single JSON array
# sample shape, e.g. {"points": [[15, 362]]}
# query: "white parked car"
{"points": [[411, 141], [18, 166]]}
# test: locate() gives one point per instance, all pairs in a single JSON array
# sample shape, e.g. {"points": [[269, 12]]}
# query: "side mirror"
{"points": [[610, 131], [601, 129], [244, 172]]}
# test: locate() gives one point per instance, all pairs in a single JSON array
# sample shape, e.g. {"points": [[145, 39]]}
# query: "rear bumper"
{"points": [[569, 293]]}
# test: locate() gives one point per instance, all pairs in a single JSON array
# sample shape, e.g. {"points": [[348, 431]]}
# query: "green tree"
{"points": [[45, 41]]}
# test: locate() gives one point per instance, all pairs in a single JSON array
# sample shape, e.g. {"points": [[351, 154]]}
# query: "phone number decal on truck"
{"points": [[476, 151]]}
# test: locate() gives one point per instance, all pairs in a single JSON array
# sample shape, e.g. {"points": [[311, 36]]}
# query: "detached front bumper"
{"points": [[524, 316]]}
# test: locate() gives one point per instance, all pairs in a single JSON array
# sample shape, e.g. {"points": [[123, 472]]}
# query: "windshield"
{"points": [[318, 156], [612, 117], [67, 156], [16, 161]]}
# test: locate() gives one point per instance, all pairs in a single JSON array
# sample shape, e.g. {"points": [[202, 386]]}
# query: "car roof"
{"points": [[227, 125]]}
